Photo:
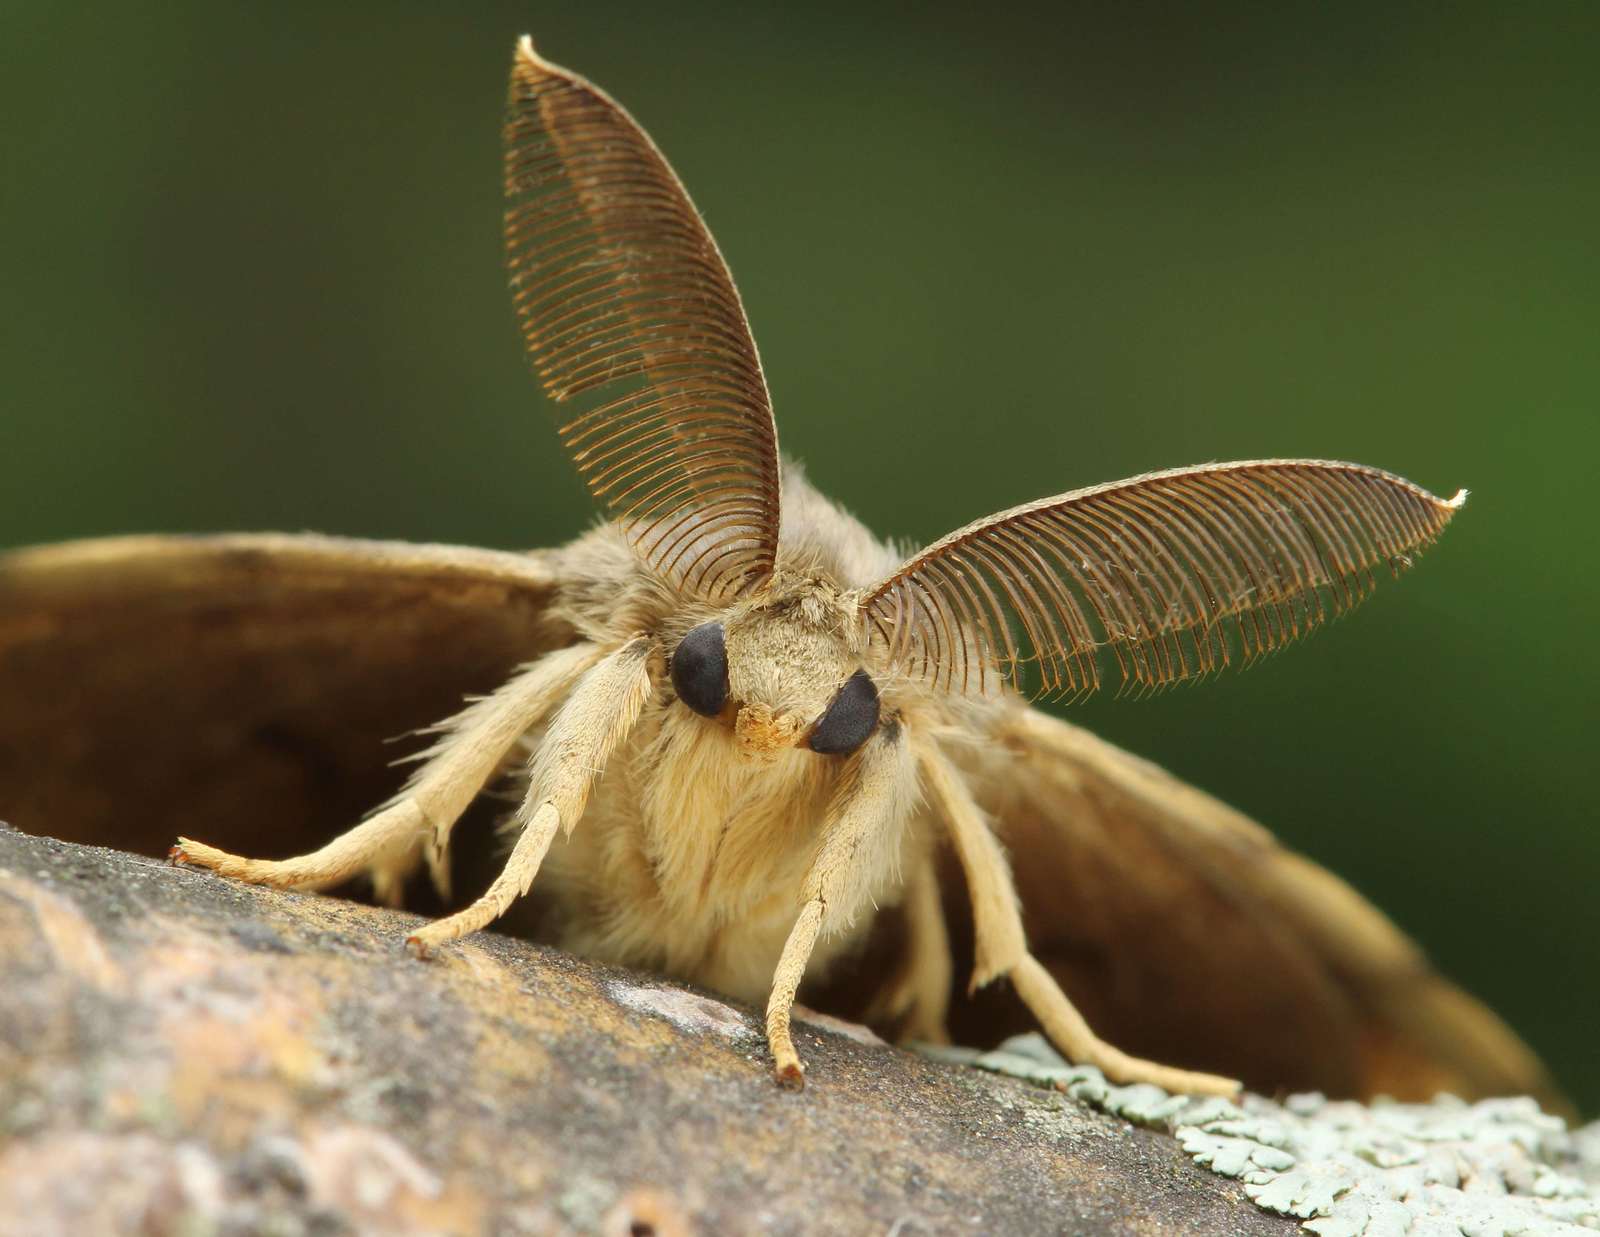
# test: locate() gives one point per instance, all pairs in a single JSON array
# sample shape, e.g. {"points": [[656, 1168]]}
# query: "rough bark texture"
{"points": [[182, 1054]]}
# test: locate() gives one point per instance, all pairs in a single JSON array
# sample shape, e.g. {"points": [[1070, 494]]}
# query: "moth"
{"points": [[753, 746]]}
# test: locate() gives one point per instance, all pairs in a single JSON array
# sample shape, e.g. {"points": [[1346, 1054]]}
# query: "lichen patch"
{"points": [[1490, 1169]]}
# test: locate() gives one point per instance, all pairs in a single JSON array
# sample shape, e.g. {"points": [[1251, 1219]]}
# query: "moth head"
{"points": [[783, 671]]}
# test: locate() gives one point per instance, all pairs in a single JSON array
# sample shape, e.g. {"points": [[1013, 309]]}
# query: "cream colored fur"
{"points": [[722, 850]]}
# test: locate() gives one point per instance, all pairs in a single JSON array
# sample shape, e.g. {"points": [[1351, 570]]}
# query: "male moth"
{"points": [[754, 747]]}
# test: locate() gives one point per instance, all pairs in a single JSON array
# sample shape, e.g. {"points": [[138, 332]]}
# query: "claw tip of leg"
{"points": [[417, 946], [791, 1076]]}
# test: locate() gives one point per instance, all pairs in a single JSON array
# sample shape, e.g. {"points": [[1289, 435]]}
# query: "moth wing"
{"points": [[1187, 934], [242, 688]]}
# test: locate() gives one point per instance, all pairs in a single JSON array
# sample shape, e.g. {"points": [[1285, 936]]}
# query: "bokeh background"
{"points": [[252, 279]]}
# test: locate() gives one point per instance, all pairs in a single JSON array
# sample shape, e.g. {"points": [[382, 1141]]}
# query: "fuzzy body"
{"points": [[692, 856], [842, 709]]}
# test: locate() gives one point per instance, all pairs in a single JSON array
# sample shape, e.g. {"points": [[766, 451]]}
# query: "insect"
{"points": [[754, 747]]}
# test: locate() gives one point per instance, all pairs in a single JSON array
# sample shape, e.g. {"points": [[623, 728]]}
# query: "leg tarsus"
{"points": [[372, 846], [416, 824], [598, 716], [1000, 946], [476, 743], [790, 1075], [867, 806], [514, 881], [915, 999], [787, 1067], [1070, 1033]]}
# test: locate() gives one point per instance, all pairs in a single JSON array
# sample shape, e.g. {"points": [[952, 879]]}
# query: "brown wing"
{"points": [[1185, 933], [243, 688]]}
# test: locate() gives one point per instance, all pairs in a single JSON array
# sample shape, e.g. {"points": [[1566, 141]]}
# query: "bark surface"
{"points": [[183, 1054]]}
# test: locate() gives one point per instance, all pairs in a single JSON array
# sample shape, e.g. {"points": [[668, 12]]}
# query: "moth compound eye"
{"points": [[851, 717], [700, 669]]}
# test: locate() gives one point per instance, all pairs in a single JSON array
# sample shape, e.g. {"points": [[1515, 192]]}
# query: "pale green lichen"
{"points": [[1497, 1168]]}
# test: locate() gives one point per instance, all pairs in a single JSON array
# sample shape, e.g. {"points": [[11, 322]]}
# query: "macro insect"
{"points": [[754, 747]]}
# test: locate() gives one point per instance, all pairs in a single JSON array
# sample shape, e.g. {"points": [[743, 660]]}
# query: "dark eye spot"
{"points": [[851, 717], [700, 669]]}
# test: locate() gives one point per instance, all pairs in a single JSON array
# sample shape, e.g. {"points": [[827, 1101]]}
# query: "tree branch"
{"points": [[179, 1050]]}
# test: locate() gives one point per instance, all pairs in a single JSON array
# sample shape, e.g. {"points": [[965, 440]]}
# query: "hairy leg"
{"points": [[597, 716], [471, 748], [474, 744], [856, 841], [1001, 949], [916, 998]]}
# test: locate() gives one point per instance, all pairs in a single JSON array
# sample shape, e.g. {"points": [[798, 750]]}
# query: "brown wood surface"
{"points": [[177, 1050]]}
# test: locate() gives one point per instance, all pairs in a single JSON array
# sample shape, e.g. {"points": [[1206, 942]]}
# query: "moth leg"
{"points": [[917, 999], [786, 1064], [596, 717], [871, 799], [1001, 949], [474, 744], [1067, 1030], [472, 747], [379, 845]]}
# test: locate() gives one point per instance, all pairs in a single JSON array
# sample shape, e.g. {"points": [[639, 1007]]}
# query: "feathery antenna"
{"points": [[1172, 574], [627, 307]]}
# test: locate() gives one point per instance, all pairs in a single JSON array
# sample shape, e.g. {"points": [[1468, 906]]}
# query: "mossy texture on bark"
{"points": [[1446, 1168], [183, 1054]]}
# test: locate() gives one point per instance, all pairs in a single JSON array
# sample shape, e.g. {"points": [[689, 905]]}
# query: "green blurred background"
{"points": [[253, 280]]}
